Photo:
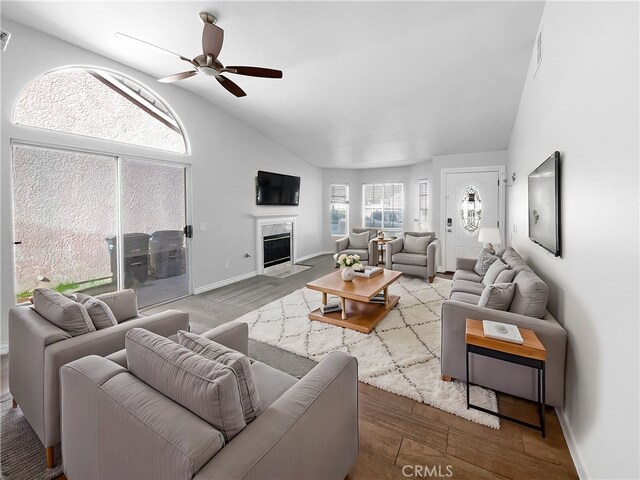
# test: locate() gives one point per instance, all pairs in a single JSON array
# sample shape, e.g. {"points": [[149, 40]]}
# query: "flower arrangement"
{"points": [[345, 260]]}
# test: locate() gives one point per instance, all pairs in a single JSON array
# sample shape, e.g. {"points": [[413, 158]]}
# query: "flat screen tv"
{"points": [[277, 189], [544, 204]]}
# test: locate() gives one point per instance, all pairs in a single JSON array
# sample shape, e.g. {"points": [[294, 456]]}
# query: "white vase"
{"points": [[347, 274]]}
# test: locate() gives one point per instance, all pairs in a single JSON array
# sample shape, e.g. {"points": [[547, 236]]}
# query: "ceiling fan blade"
{"points": [[256, 72], [212, 38], [178, 76], [230, 86], [152, 46]]}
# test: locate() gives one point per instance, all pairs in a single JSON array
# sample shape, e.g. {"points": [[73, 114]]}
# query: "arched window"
{"points": [[101, 104]]}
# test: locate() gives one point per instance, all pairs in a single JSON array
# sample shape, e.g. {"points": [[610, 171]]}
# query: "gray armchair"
{"points": [[413, 263], [369, 255], [38, 349], [308, 428]]}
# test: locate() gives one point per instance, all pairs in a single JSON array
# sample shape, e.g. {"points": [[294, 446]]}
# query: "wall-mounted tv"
{"points": [[544, 204], [277, 189]]}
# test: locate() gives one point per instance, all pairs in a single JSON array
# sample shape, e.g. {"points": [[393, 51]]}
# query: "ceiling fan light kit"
{"points": [[208, 64]]}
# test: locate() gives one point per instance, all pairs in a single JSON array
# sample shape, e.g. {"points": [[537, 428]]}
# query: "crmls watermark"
{"points": [[426, 471]]}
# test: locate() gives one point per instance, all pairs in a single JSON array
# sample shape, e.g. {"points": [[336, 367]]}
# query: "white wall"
{"points": [[583, 102], [225, 156]]}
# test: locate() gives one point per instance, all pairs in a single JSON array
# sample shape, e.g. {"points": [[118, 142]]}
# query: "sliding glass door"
{"points": [[153, 217], [64, 205], [74, 210]]}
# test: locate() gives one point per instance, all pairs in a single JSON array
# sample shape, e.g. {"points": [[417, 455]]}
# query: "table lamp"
{"points": [[489, 236]]}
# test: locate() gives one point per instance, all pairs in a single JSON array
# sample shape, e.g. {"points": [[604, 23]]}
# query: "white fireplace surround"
{"points": [[271, 225]]}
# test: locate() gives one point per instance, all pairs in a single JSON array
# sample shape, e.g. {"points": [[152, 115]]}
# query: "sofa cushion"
{"points": [[123, 304], [271, 383], [207, 388], [231, 358], [359, 240], [497, 296], [465, 297], [467, 287], [467, 275], [63, 312], [531, 295], [505, 276], [416, 244], [484, 261], [410, 259], [492, 273], [99, 312], [364, 254]]}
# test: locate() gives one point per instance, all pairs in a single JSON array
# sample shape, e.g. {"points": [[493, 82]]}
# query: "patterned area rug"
{"points": [[22, 456], [402, 354]]}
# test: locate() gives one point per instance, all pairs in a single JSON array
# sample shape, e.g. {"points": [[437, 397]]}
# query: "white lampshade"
{"points": [[490, 235]]}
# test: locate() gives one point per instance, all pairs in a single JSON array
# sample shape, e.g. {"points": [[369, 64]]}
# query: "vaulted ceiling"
{"points": [[366, 84]]}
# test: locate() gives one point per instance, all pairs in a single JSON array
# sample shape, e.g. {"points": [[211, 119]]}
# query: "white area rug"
{"points": [[402, 354]]}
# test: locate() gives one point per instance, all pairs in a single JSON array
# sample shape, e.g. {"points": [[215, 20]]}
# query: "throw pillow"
{"points": [[206, 388], [500, 252], [497, 296], [231, 358], [359, 241], [123, 304], [494, 270], [100, 313], [485, 259], [505, 276], [63, 312], [416, 244]]}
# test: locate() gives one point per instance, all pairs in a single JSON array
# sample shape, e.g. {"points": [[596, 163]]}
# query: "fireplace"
{"points": [[275, 242], [276, 249]]}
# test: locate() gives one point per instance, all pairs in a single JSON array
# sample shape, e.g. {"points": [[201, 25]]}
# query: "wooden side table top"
{"points": [[531, 348]]}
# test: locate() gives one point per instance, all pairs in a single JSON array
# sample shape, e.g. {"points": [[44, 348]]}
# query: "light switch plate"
{"points": [[203, 226]]}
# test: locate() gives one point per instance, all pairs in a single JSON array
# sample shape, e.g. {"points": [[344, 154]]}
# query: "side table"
{"points": [[530, 354]]}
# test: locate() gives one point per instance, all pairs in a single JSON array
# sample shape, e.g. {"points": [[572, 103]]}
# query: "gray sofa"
{"points": [[116, 426], [413, 263], [368, 256], [527, 310], [38, 348]]}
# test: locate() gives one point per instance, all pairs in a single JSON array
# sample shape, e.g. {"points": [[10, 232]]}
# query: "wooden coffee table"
{"points": [[357, 314]]}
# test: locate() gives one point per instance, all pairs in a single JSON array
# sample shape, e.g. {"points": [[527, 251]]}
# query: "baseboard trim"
{"points": [[571, 443], [307, 257], [222, 283]]}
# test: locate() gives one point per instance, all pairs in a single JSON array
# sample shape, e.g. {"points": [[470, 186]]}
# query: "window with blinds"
{"points": [[423, 205], [339, 209], [382, 206]]}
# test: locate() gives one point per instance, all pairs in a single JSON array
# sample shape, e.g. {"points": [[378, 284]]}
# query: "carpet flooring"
{"points": [[22, 456]]}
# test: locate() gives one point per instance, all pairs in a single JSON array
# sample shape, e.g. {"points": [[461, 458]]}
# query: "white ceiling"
{"points": [[366, 84]]}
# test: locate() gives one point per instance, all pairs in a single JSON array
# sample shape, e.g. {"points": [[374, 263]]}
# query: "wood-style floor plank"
{"points": [[368, 467], [509, 434], [413, 454], [379, 442], [382, 397], [503, 461], [395, 420]]}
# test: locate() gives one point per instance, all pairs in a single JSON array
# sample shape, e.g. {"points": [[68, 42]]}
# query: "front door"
{"points": [[472, 201]]}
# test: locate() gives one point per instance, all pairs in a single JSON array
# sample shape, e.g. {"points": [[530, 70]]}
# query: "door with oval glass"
{"points": [[472, 201]]}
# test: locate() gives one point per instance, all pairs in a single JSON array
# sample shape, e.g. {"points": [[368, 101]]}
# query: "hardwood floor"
{"points": [[401, 438]]}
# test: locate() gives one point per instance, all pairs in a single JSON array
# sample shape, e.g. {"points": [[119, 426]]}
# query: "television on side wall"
{"points": [[277, 189], [544, 204]]}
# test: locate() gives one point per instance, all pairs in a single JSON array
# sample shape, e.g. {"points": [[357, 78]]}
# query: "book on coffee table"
{"points": [[379, 298], [331, 306], [502, 331], [369, 272]]}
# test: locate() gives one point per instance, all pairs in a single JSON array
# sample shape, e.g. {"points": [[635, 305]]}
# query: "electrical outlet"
{"points": [[203, 226], [227, 264]]}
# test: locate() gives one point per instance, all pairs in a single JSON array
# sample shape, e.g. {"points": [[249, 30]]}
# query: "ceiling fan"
{"points": [[207, 63]]}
